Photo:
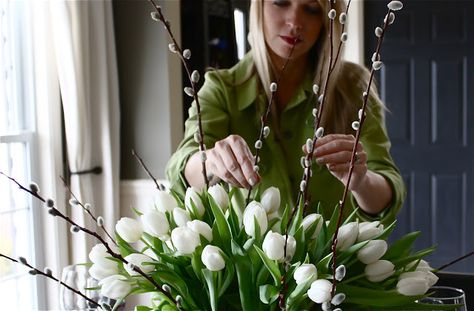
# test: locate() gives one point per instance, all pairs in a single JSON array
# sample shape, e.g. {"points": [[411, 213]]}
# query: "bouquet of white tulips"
{"points": [[212, 251]]}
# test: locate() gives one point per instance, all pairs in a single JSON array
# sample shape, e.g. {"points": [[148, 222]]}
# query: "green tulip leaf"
{"points": [[268, 293], [270, 264]]}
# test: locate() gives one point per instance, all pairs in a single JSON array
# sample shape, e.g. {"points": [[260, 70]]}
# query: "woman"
{"points": [[233, 100]]}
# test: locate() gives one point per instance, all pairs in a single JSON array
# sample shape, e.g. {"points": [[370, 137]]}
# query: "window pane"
{"points": [[18, 293]]}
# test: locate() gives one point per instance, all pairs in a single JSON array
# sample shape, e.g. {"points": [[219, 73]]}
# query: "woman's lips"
{"points": [[290, 40]]}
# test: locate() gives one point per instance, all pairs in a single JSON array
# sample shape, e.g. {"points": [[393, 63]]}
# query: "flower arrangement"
{"points": [[215, 249]]}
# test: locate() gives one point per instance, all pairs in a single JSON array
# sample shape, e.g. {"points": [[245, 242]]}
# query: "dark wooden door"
{"points": [[427, 84]]}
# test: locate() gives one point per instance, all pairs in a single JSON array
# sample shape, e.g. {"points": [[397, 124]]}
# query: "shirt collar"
{"points": [[247, 92]]}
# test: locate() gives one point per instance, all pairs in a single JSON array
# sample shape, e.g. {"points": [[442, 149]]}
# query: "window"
{"points": [[18, 220]]}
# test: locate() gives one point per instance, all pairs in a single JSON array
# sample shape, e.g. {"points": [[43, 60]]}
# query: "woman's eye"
{"points": [[281, 2], [313, 9]]}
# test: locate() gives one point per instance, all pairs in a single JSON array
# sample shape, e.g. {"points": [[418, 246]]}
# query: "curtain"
{"points": [[84, 46]]}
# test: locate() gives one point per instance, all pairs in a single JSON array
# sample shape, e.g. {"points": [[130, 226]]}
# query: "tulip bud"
{"points": [[429, 276], [115, 287], [347, 235], [165, 202], [185, 240], [412, 286], [372, 251], [201, 228], [211, 257], [369, 230], [273, 245], [191, 195], [219, 195], [156, 224], [138, 260], [320, 291], [305, 272], [309, 220], [181, 216], [129, 229], [379, 270], [255, 211], [270, 200], [100, 271]]}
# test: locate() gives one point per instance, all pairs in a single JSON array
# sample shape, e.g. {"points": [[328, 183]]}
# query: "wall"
{"points": [[150, 86]]}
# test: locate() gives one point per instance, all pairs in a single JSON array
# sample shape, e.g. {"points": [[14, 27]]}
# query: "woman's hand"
{"points": [[335, 151], [232, 161]]}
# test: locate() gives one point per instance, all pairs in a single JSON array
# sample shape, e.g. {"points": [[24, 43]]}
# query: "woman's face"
{"points": [[288, 22]]}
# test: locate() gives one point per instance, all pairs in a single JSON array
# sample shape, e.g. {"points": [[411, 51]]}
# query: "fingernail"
{"points": [[320, 160]]}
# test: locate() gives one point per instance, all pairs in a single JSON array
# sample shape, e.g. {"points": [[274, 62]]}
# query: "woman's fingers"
{"points": [[235, 162], [342, 157]]}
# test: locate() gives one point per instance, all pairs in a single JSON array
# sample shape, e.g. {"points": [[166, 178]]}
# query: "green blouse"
{"points": [[228, 108]]}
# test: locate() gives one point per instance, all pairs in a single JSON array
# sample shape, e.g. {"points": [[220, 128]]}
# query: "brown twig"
{"points": [[264, 117], [353, 155], [202, 146], [158, 185], [55, 212], [455, 261], [87, 210], [37, 271]]}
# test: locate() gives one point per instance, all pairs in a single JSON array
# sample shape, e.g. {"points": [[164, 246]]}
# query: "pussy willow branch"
{"points": [[354, 150], [340, 42], [55, 212], [86, 209], [264, 117], [202, 147], [37, 271], [455, 261], [303, 193], [158, 185]]}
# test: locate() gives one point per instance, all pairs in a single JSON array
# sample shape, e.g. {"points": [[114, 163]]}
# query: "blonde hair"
{"points": [[340, 109]]}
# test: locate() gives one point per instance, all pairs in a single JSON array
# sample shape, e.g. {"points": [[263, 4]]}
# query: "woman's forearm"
{"points": [[373, 194]]}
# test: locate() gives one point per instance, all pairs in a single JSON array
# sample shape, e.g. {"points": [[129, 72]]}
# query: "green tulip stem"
{"points": [[354, 278]]}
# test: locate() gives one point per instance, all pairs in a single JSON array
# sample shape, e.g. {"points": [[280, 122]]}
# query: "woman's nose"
{"points": [[294, 19]]}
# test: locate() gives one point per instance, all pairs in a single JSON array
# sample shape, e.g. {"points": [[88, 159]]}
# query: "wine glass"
{"points": [[78, 277], [445, 295]]}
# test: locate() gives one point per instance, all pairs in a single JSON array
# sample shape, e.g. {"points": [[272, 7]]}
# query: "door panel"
{"points": [[427, 84]]}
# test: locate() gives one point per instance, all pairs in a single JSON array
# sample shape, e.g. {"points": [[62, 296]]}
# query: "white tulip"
{"points": [[138, 260], [185, 240], [181, 216], [165, 202], [305, 272], [320, 291], [270, 200], [211, 257], [155, 223], [422, 265], [379, 270], [372, 251], [100, 272], [115, 287], [309, 220], [255, 211], [99, 254], [201, 228], [429, 276], [369, 230], [412, 286], [219, 195], [192, 196], [273, 245], [347, 235], [129, 229]]}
